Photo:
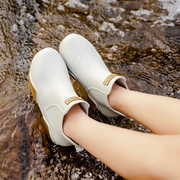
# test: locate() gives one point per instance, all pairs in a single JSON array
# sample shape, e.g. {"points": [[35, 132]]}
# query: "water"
{"points": [[137, 39]]}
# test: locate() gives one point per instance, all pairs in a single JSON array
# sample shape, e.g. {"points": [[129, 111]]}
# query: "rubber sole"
{"points": [[34, 93]]}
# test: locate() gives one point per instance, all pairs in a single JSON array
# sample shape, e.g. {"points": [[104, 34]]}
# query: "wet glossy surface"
{"points": [[139, 40]]}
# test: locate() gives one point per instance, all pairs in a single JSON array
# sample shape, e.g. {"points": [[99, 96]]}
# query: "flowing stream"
{"points": [[137, 39]]}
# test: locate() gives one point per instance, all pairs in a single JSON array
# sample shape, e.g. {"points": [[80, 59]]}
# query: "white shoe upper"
{"points": [[87, 67], [54, 93]]}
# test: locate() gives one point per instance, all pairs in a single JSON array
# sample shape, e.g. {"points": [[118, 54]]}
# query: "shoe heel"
{"points": [[33, 91]]}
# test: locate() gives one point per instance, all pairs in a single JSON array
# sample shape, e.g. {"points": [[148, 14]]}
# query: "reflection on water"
{"points": [[139, 40]]}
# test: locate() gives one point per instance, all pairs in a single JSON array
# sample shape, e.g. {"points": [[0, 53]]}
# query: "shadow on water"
{"points": [[139, 40]]}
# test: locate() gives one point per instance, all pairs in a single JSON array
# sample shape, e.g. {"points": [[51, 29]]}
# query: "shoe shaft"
{"points": [[55, 95], [87, 66]]}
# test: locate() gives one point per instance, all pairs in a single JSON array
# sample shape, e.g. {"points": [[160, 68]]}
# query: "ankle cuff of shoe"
{"points": [[85, 107], [100, 95]]}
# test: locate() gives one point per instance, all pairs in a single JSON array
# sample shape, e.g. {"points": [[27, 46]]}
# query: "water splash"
{"points": [[172, 7]]}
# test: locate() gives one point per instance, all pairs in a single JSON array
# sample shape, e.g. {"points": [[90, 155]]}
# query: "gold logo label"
{"points": [[71, 99], [109, 78]]}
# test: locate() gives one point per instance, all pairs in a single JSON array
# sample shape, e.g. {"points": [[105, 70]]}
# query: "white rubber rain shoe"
{"points": [[87, 67], [52, 89]]}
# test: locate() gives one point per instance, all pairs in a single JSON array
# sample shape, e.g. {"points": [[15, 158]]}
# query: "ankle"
{"points": [[71, 118], [116, 95]]}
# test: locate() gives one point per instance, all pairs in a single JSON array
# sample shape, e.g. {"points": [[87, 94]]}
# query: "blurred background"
{"points": [[137, 39]]}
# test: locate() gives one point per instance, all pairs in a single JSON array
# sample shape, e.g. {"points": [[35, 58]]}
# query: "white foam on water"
{"points": [[15, 28], [172, 7], [111, 1], [162, 23], [19, 2], [97, 35], [109, 27], [60, 7], [46, 1], [105, 26], [31, 17], [116, 19], [142, 12], [76, 4], [61, 27], [114, 48]]}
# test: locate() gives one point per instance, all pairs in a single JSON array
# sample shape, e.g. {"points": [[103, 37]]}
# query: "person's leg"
{"points": [[158, 113], [131, 154]]}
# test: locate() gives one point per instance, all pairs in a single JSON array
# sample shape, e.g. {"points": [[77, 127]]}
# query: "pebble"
{"points": [[14, 28], [61, 7], [31, 17], [61, 27], [153, 50], [44, 20]]}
